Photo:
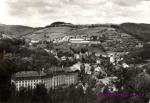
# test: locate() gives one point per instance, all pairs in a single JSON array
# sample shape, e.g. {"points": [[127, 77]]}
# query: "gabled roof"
{"points": [[58, 69], [29, 74], [54, 70], [50, 71]]}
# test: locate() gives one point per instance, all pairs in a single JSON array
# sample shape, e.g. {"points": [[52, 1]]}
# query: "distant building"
{"points": [[112, 59], [98, 61], [61, 39], [76, 40], [124, 65], [4, 36], [34, 41], [52, 79], [76, 56], [63, 58], [95, 42], [76, 66], [83, 41], [139, 45]]}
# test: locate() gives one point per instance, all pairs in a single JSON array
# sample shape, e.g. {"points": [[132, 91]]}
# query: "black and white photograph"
{"points": [[74, 51]]}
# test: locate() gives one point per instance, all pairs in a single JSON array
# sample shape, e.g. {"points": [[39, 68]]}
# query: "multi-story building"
{"points": [[52, 79]]}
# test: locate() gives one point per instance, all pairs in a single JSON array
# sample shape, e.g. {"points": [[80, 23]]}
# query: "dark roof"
{"points": [[29, 74], [58, 69], [53, 70], [67, 69]]}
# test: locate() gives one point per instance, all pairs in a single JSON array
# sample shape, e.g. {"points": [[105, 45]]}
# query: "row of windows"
{"points": [[55, 83], [31, 86], [51, 82], [28, 81], [43, 81], [18, 87]]}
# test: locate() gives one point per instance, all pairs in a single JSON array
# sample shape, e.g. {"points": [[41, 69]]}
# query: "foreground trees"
{"points": [[41, 95], [15, 56]]}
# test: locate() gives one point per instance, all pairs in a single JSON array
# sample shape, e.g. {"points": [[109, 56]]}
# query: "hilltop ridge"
{"points": [[60, 29], [16, 30]]}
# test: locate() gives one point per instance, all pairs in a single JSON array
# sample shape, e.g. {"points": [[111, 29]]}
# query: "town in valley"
{"points": [[67, 63]]}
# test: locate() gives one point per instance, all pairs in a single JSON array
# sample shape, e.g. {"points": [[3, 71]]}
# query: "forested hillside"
{"points": [[140, 31]]}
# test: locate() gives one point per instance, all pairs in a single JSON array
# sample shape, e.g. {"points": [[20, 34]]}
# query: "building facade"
{"points": [[29, 79]]}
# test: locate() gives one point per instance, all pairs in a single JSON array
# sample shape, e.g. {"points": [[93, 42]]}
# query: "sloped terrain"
{"points": [[49, 33], [114, 39], [52, 33], [16, 30], [122, 37], [140, 31]]}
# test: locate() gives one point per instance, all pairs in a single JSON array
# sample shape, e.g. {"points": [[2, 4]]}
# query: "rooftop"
{"points": [[53, 70], [29, 74]]}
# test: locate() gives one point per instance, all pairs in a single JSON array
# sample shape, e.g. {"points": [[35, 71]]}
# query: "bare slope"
{"points": [[16, 30], [49, 33]]}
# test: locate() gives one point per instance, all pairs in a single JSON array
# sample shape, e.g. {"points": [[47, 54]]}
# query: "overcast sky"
{"points": [[44, 12]]}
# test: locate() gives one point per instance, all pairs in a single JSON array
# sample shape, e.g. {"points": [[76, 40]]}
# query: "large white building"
{"points": [[52, 79]]}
